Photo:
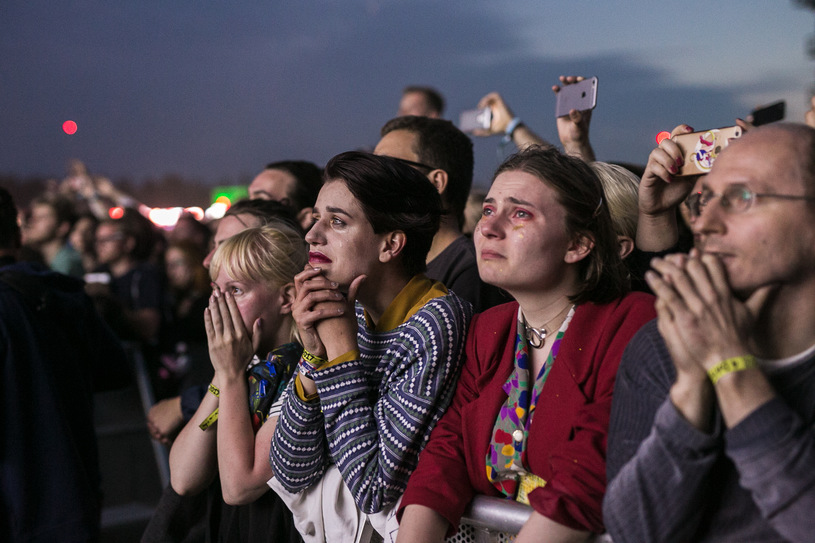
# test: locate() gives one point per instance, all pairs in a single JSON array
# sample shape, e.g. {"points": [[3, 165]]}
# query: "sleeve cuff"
{"points": [[680, 434], [298, 388]]}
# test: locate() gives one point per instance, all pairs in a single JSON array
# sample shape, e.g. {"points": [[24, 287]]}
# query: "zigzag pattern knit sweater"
{"points": [[375, 413]]}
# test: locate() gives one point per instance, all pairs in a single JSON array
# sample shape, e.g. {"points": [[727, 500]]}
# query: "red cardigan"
{"points": [[567, 439]]}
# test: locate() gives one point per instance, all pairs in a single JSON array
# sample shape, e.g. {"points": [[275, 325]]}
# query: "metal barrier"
{"points": [[147, 397]]}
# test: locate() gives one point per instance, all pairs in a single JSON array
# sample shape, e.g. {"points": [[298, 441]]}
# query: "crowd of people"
{"points": [[354, 352]]}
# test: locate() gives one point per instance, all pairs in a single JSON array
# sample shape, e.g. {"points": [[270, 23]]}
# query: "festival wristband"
{"points": [[209, 421], [313, 358], [737, 363], [309, 363], [214, 390]]}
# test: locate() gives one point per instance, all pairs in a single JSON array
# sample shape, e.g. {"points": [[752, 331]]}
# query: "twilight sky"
{"points": [[214, 91]]}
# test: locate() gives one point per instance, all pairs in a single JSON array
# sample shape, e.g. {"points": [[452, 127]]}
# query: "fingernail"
{"points": [[672, 169], [334, 284]]}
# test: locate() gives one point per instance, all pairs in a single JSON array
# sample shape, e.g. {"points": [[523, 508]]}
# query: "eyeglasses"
{"points": [[734, 199], [108, 239], [412, 164]]}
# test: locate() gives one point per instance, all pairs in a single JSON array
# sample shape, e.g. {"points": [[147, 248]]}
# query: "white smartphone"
{"points": [[475, 119], [580, 96]]}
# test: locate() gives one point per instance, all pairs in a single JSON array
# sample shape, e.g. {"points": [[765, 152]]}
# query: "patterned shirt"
{"points": [[375, 412]]}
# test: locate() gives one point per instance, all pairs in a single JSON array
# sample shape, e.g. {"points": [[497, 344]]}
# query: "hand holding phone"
{"points": [[581, 96], [700, 149], [473, 120]]}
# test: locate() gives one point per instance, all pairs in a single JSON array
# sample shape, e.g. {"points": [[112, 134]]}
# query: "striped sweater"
{"points": [[375, 413]]}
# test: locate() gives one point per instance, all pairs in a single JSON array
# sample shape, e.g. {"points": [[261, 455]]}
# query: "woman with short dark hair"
{"points": [[382, 348]]}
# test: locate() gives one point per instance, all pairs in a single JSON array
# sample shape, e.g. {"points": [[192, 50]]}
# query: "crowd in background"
{"points": [[377, 347]]}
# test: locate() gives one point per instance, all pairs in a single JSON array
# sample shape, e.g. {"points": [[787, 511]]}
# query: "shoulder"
{"points": [[455, 262], [449, 303], [462, 248], [631, 311], [646, 360]]}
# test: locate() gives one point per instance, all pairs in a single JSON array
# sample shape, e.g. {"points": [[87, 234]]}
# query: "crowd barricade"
{"points": [[147, 397]]}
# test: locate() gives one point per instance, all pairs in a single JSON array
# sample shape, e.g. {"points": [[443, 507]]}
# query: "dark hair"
{"points": [[10, 236], [441, 145], [393, 196], [265, 211], [602, 274], [433, 97], [308, 177], [64, 209], [135, 225]]}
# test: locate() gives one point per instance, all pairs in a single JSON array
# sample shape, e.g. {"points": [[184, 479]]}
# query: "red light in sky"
{"points": [[116, 212], [69, 127], [662, 135]]}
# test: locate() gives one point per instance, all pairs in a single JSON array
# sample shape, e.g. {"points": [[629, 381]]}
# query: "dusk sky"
{"points": [[213, 91]]}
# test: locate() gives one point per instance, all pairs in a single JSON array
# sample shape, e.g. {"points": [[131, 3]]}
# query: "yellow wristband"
{"points": [[210, 420], [737, 363], [313, 358], [214, 389]]}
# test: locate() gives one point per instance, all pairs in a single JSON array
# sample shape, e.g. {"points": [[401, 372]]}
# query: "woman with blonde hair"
{"points": [[249, 315]]}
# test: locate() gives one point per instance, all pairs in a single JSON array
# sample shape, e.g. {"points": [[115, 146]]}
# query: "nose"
{"points": [[491, 226], [709, 220], [314, 235]]}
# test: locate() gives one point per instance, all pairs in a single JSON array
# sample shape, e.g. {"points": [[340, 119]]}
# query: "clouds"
{"points": [[215, 91]]}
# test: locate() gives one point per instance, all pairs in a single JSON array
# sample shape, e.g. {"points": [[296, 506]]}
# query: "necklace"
{"points": [[536, 337]]}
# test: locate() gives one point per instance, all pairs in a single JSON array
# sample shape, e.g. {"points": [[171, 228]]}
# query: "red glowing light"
{"points": [[69, 127], [662, 135], [116, 213]]}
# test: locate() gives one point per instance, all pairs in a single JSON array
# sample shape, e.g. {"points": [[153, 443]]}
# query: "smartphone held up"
{"points": [[581, 96], [700, 149], [475, 119]]}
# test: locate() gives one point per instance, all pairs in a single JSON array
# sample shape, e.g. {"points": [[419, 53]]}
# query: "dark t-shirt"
{"points": [[457, 269]]}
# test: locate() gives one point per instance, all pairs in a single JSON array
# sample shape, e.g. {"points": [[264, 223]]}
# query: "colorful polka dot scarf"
{"points": [[505, 468]]}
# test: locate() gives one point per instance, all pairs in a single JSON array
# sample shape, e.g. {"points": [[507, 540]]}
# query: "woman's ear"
{"points": [[579, 249], [287, 295], [392, 245], [626, 245]]}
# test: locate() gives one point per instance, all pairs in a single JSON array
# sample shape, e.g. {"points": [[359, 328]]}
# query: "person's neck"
{"points": [[50, 248], [539, 307], [447, 234], [376, 294], [786, 326], [121, 266]]}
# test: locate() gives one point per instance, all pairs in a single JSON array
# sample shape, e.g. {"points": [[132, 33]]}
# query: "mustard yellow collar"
{"points": [[419, 290]]}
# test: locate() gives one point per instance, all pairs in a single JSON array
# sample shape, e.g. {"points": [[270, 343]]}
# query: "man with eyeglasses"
{"points": [[444, 154], [711, 435]]}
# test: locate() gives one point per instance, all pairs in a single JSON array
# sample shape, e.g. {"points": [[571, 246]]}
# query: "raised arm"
{"points": [[660, 194], [299, 453], [242, 457], [522, 136], [573, 129]]}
